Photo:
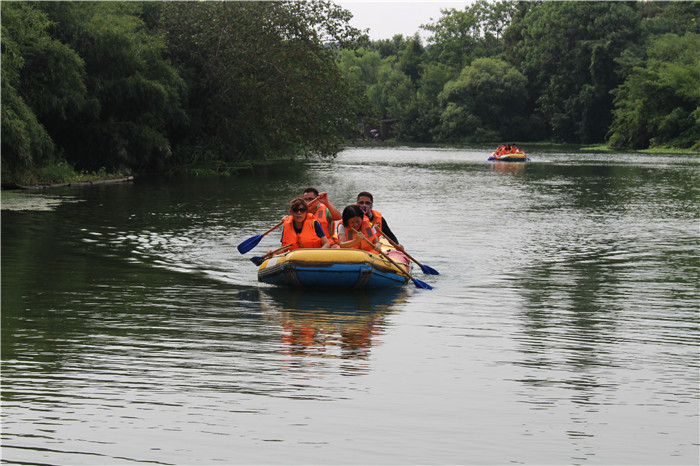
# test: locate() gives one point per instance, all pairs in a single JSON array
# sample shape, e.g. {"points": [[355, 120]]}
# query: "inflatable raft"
{"points": [[335, 268], [508, 153]]}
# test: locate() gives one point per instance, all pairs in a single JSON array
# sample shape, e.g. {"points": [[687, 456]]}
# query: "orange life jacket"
{"points": [[376, 220], [368, 231], [322, 218], [306, 239]]}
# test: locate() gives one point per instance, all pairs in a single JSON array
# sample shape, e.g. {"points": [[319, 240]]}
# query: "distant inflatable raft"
{"points": [[509, 157], [335, 268]]}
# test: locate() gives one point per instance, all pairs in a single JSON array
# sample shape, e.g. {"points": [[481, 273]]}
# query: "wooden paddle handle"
{"points": [[272, 253], [273, 228]]}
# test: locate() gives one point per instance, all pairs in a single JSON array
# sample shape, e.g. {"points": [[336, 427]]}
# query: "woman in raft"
{"points": [[300, 228], [355, 219]]}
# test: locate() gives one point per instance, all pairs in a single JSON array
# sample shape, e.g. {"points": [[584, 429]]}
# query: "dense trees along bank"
{"points": [[580, 72], [156, 85], [151, 85]]}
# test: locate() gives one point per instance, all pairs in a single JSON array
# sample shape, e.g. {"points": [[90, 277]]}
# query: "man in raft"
{"points": [[365, 201], [323, 211]]}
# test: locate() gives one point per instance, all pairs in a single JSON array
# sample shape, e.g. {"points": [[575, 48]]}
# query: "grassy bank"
{"points": [[59, 173]]}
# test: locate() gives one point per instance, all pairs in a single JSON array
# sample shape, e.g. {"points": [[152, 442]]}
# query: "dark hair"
{"points": [[297, 202], [351, 211], [366, 194], [311, 190]]}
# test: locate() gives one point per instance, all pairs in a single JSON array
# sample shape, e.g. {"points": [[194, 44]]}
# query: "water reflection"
{"points": [[564, 331], [603, 267], [508, 167], [328, 324]]}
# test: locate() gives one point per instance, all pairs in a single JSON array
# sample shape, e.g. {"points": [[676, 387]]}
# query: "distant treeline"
{"points": [[626, 73], [156, 85]]}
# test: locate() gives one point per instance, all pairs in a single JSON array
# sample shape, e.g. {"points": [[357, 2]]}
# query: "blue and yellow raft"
{"points": [[335, 268], [509, 157]]}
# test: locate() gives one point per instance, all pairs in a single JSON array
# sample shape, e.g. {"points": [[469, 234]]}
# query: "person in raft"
{"points": [[354, 219], [323, 211], [365, 202], [300, 229]]}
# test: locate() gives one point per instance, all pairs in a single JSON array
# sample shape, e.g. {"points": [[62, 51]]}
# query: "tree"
{"points": [[411, 58], [567, 51], [40, 76], [659, 102], [134, 96], [459, 37], [422, 113], [264, 79], [485, 103]]}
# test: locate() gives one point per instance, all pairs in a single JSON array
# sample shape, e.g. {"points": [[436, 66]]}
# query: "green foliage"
{"points": [[459, 37], [485, 103], [130, 84], [659, 102], [568, 50], [264, 80], [134, 95], [212, 85], [25, 44]]}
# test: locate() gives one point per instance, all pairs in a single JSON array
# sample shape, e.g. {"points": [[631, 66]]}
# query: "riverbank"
{"points": [[123, 179], [540, 145], [61, 174]]}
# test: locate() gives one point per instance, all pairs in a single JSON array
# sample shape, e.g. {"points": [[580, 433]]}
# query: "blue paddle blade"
{"points": [[249, 244], [429, 270], [420, 284], [257, 260]]}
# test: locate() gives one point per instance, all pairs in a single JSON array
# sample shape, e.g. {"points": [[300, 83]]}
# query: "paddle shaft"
{"points": [[397, 247], [272, 253], [384, 255]]}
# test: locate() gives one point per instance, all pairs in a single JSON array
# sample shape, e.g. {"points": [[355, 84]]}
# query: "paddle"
{"points": [[253, 241], [258, 260], [418, 283], [425, 268]]}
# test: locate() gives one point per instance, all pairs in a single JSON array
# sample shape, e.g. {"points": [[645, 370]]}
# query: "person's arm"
{"points": [[387, 231], [322, 235], [335, 213], [361, 237], [343, 238]]}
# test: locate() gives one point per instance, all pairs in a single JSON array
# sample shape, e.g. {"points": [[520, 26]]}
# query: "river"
{"points": [[562, 329]]}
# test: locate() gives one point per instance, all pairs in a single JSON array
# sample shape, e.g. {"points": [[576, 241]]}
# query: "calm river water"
{"points": [[563, 329]]}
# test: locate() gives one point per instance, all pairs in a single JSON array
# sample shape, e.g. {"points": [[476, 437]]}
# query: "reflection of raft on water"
{"points": [[335, 268]]}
